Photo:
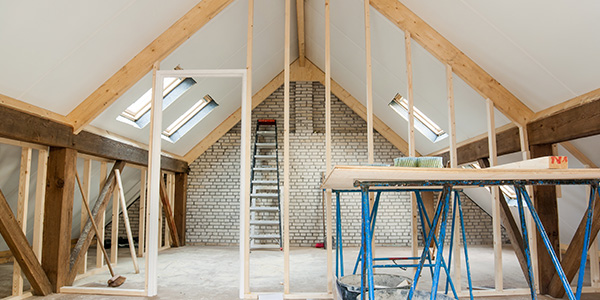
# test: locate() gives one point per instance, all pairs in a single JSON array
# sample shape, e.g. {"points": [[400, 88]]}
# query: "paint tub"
{"points": [[349, 286], [402, 294]]}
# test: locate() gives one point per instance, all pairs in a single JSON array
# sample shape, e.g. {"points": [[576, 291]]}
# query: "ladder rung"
{"points": [[264, 236], [264, 169], [266, 133], [264, 195], [264, 208], [264, 222], [265, 156], [266, 145], [264, 246], [264, 181], [266, 187]]}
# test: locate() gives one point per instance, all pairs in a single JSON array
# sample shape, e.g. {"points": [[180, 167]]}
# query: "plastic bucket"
{"points": [[349, 286]]}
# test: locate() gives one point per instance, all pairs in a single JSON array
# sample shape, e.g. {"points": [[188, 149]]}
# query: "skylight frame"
{"points": [[423, 124], [174, 88], [189, 119]]}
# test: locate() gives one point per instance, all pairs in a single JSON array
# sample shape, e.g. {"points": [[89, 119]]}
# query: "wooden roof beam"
{"points": [[301, 36], [141, 64], [462, 65]]}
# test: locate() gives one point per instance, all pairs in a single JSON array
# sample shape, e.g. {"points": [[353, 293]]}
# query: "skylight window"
{"points": [[423, 124], [189, 119], [138, 113]]}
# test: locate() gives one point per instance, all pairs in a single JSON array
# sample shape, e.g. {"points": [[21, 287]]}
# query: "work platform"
{"points": [[374, 178]]}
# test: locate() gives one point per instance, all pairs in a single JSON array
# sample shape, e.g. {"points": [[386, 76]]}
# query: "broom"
{"points": [[115, 280]]}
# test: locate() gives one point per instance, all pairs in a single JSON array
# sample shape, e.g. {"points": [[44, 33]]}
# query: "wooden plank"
{"points": [[58, 215], [101, 291], [180, 207], [19, 247], [328, 196], [300, 24], [570, 260], [31, 129], [87, 178], [22, 209], [141, 64], [126, 221], [546, 162], [462, 65], [545, 203], [246, 113], [101, 219], [86, 237], [168, 213], [286, 152]]}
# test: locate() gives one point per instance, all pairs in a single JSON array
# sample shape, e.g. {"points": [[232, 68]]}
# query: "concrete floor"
{"points": [[193, 272]]}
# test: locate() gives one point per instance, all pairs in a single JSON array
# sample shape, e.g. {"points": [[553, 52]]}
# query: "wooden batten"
{"points": [[101, 219], [22, 208], [286, 151]]}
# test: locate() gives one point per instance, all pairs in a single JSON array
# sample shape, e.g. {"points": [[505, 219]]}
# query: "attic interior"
{"points": [[261, 149]]}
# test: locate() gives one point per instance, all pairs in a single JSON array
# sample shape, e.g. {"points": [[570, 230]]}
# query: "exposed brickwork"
{"points": [[214, 184]]}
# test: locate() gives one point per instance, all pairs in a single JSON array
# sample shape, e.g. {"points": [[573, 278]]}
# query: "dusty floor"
{"points": [[213, 272]]}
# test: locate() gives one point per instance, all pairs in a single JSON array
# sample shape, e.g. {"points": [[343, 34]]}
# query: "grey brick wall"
{"points": [[213, 193]]}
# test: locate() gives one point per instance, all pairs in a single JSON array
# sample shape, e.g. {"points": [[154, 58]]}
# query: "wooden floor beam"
{"points": [[58, 215]]}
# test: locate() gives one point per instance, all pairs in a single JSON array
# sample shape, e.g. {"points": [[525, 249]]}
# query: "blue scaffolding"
{"points": [[368, 220]]}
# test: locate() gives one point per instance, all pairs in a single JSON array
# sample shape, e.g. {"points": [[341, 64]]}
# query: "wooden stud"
{"points": [[19, 247], [369, 81], [286, 152], [126, 221], [594, 263], [411, 139], [180, 206], [22, 209], [300, 23], [497, 233], [141, 64], [246, 112], [87, 176], [142, 214], [40, 195], [102, 221], [58, 216], [328, 195], [461, 64]]}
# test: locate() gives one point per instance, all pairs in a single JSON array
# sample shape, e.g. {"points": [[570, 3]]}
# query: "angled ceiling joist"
{"points": [[33, 110], [308, 73], [462, 65], [141, 64]]}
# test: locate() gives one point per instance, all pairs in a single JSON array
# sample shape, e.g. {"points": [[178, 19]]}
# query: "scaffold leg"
{"points": [[586, 240], [531, 280]]}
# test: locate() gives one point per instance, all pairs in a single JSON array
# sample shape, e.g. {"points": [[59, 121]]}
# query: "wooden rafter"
{"points": [[32, 109], [462, 65], [301, 36], [141, 64]]}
